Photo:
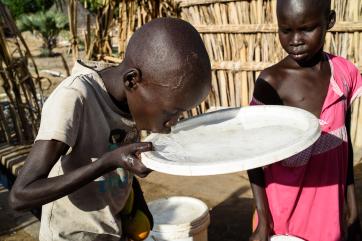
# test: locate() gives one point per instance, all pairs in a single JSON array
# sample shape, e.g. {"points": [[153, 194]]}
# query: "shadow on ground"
{"points": [[10, 220], [358, 186], [231, 219]]}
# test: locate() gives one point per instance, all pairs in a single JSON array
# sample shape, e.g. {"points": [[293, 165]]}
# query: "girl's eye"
{"points": [[284, 30], [309, 29]]}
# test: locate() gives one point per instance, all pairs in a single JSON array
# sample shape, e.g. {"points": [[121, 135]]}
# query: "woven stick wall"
{"points": [[241, 39]]}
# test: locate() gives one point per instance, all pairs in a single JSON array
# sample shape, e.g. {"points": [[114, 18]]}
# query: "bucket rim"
{"points": [[291, 237], [181, 234], [203, 219]]}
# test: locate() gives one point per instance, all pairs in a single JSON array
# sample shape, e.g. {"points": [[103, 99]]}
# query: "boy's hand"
{"points": [[128, 157]]}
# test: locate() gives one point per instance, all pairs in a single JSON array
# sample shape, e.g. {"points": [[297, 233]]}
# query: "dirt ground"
{"points": [[228, 196], [20, 235]]}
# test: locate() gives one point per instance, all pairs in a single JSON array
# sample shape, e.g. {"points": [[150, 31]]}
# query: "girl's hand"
{"points": [[128, 157], [263, 232], [354, 230]]}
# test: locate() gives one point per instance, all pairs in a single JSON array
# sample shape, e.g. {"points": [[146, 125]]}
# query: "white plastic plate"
{"points": [[232, 140]]}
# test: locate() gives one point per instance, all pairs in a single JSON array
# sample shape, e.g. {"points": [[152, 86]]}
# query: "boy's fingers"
{"points": [[142, 147], [144, 173]]}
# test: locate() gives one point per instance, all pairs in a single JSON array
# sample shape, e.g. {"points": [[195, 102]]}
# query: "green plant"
{"points": [[47, 25], [21, 7], [93, 5]]}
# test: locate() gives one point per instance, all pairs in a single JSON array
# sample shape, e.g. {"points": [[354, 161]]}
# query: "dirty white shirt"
{"points": [[81, 114]]}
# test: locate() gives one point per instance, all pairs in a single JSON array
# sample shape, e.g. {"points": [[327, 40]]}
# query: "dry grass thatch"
{"points": [[133, 14]]}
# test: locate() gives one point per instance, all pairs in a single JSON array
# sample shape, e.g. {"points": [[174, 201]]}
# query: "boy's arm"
{"points": [[33, 188], [264, 93]]}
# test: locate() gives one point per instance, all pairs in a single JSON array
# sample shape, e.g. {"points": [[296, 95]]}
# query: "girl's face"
{"points": [[302, 30]]}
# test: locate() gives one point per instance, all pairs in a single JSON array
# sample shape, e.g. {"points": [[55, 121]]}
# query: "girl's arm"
{"points": [[264, 229], [264, 93]]}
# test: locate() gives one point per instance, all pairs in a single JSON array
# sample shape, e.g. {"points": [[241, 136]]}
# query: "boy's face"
{"points": [[302, 28], [157, 109]]}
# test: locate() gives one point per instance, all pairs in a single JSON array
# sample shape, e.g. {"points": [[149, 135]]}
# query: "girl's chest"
{"points": [[326, 100]]}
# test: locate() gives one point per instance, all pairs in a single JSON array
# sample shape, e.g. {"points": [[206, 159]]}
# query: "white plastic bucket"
{"points": [[285, 238], [179, 219]]}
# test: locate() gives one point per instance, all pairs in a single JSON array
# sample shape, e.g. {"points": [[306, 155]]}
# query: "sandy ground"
{"points": [[228, 197]]}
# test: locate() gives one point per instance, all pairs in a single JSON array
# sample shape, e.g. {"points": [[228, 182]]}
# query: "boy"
{"points": [[70, 170], [304, 195]]}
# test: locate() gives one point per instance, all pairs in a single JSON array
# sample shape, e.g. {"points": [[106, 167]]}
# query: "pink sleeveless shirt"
{"points": [[306, 191]]}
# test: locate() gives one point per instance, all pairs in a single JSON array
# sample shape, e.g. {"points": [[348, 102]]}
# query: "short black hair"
{"points": [[320, 5], [326, 7]]}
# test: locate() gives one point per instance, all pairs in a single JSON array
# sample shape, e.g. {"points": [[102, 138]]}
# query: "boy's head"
{"points": [[303, 25], [168, 71]]}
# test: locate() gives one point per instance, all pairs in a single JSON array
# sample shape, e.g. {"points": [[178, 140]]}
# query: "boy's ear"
{"points": [[131, 79], [331, 19]]}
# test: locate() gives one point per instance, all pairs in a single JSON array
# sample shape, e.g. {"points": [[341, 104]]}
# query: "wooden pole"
{"points": [[72, 13]]}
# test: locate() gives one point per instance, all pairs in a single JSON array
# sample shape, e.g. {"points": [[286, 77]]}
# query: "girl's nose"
{"points": [[297, 39]]}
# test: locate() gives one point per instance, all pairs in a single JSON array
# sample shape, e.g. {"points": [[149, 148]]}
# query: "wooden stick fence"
{"points": [[131, 15], [72, 13], [21, 122]]}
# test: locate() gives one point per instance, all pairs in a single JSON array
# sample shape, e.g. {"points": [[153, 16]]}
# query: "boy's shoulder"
{"points": [[84, 77], [75, 88], [73, 83]]}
